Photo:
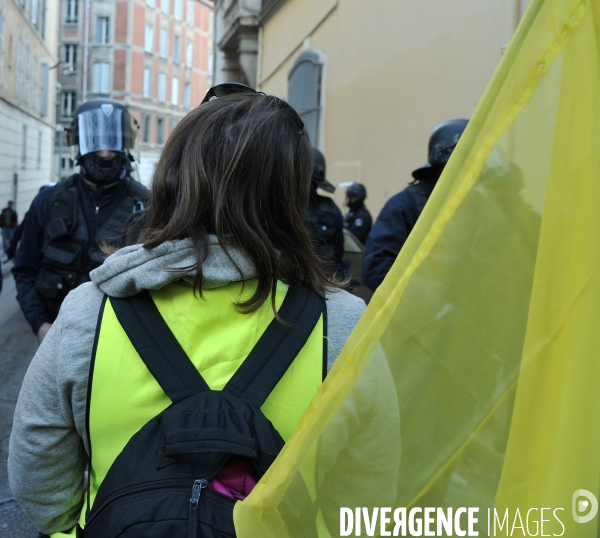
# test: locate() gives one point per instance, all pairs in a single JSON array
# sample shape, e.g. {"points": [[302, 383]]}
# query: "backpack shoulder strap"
{"points": [[158, 347], [277, 348]]}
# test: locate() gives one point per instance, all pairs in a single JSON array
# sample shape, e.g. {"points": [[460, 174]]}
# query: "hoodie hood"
{"points": [[133, 269]]}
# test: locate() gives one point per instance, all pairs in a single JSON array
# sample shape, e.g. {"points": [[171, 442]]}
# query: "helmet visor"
{"points": [[105, 128]]}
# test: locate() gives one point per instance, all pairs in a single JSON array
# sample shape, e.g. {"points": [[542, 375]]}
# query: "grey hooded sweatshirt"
{"points": [[48, 452]]}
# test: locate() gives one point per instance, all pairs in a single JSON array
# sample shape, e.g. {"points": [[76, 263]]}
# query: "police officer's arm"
{"points": [[387, 237], [29, 259]]}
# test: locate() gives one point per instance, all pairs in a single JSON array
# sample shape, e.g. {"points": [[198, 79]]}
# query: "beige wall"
{"points": [[394, 69]]}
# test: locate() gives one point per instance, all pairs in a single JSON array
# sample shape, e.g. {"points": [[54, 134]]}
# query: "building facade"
{"points": [[371, 79], [152, 55], [28, 44]]}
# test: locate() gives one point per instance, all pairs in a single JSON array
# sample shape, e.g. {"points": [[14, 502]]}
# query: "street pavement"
{"points": [[17, 346]]}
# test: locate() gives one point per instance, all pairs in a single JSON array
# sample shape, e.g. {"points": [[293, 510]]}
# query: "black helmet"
{"points": [[318, 175], [442, 142], [102, 124], [357, 190]]}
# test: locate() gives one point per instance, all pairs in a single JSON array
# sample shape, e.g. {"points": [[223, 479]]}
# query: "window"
{"points": [[304, 91], [162, 87], [211, 65], [72, 10], [149, 40], [147, 84], [20, 65], [178, 11], [34, 81], [174, 91], [164, 6], [68, 104], [34, 7], [1, 44], [187, 95], [39, 152], [26, 73], [177, 49], [191, 6], [44, 89], [102, 31], [189, 54], [146, 129], [70, 58], [160, 131], [101, 80], [24, 147], [150, 3], [164, 36]]}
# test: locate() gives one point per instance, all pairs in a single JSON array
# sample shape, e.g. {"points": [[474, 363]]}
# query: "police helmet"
{"points": [[357, 190], [318, 176], [442, 142], [103, 124]]}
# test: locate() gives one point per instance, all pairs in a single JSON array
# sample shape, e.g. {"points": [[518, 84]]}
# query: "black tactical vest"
{"points": [[68, 254]]}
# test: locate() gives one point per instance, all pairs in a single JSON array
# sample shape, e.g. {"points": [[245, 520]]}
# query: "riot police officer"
{"points": [[399, 215], [68, 223], [358, 220], [324, 218]]}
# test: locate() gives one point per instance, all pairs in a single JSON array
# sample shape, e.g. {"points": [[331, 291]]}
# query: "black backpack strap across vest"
{"points": [[255, 378]]}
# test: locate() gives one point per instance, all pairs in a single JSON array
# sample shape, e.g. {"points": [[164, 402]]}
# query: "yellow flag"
{"points": [[467, 399]]}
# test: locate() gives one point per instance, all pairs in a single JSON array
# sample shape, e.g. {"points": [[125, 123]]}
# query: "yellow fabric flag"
{"points": [[472, 380]]}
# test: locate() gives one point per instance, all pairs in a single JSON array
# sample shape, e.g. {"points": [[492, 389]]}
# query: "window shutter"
{"points": [[304, 91]]}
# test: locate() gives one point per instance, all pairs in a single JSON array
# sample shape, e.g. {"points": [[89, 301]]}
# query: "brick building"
{"points": [[153, 55]]}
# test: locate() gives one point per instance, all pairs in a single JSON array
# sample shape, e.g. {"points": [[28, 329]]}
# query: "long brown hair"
{"points": [[239, 167]]}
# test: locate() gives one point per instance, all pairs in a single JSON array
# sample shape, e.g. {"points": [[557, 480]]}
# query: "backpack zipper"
{"points": [[134, 489], [194, 499]]}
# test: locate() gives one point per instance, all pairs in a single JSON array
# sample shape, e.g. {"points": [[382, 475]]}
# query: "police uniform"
{"points": [[43, 264], [358, 221]]}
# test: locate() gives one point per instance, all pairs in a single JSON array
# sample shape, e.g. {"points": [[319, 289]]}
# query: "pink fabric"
{"points": [[235, 479]]}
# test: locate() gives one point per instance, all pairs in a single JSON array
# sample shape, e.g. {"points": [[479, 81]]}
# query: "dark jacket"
{"points": [[326, 226], [358, 221], [8, 218], [390, 231], [96, 210]]}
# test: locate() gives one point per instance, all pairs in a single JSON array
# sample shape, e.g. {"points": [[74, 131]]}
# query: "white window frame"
{"points": [[72, 11], [164, 6], [189, 54], [67, 104], [149, 38], [187, 95], [163, 50], [190, 15], [175, 91], [102, 30], [177, 49], [101, 78], [146, 128], [70, 56], [160, 130], [178, 10], [162, 87], [147, 91], [150, 3]]}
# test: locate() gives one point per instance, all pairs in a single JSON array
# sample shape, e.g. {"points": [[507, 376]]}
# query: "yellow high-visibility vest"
{"points": [[217, 338]]}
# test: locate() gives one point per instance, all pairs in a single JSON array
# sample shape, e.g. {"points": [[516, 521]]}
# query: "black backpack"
{"points": [[156, 487]]}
